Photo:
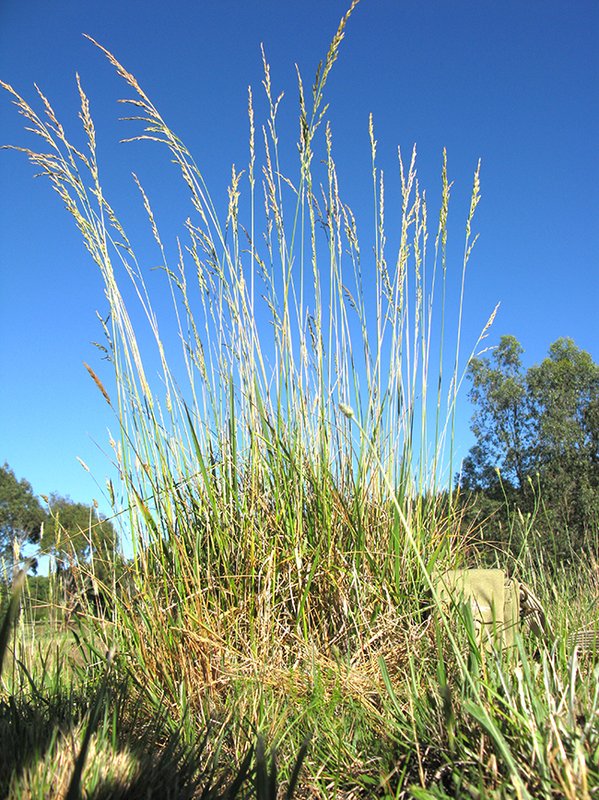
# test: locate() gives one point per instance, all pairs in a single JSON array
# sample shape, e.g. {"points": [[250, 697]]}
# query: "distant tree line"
{"points": [[535, 463], [79, 540]]}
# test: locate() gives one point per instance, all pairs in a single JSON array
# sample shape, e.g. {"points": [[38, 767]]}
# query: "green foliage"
{"points": [[21, 517], [564, 390], [537, 441], [74, 532], [501, 421], [81, 541]]}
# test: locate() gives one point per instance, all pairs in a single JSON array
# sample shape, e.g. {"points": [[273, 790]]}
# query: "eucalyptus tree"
{"points": [[21, 518], [537, 438]]}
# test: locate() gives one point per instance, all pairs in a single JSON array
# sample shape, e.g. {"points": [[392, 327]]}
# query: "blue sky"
{"points": [[514, 84]]}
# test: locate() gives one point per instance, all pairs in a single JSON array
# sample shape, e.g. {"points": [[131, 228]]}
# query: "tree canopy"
{"points": [[71, 532], [21, 514], [537, 436], [76, 532]]}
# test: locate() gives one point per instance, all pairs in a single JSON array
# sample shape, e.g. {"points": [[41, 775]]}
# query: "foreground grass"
{"points": [[521, 725], [281, 480]]}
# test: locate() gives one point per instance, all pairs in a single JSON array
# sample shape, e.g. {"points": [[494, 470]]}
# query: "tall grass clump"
{"points": [[282, 471]]}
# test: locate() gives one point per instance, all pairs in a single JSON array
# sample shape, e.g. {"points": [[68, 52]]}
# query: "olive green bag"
{"points": [[494, 599], [498, 605]]}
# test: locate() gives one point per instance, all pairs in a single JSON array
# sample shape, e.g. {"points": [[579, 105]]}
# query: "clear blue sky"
{"points": [[514, 83]]}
